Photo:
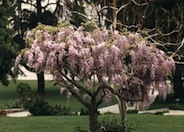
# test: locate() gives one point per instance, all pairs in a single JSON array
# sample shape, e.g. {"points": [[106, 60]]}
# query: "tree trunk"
{"points": [[41, 84], [122, 110], [177, 82], [39, 9], [114, 15], [93, 115]]}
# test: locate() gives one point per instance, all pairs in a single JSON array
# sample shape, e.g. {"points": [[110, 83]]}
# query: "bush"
{"points": [[176, 107], [10, 103], [132, 111], [40, 107], [79, 129], [161, 112], [2, 113], [59, 110], [84, 112], [24, 91], [113, 126]]}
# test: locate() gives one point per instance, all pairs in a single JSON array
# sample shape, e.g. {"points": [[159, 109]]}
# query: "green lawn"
{"points": [[8, 95], [141, 123], [156, 123]]}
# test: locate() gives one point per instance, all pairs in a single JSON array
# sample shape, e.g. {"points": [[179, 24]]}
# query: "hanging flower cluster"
{"points": [[101, 56]]}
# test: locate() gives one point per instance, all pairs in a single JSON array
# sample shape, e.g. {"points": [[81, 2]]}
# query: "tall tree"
{"points": [[7, 45], [28, 19]]}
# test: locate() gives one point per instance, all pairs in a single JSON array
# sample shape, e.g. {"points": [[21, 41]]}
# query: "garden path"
{"points": [[113, 109]]}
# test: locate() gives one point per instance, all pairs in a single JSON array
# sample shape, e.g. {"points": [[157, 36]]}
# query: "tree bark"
{"points": [[177, 82], [41, 84], [114, 16], [39, 10], [122, 110], [40, 76], [93, 115]]}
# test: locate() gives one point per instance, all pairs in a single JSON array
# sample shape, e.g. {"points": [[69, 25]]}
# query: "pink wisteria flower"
{"points": [[95, 58]]}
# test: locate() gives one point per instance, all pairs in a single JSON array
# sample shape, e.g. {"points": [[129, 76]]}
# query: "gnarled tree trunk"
{"points": [[122, 110], [93, 115]]}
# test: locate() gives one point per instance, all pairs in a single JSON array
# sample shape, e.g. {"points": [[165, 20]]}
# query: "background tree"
{"points": [[39, 12], [26, 19], [94, 65], [160, 20], [7, 45]]}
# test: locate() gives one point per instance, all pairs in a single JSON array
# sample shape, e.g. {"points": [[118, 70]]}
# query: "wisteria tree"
{"points": [[93, 66]]}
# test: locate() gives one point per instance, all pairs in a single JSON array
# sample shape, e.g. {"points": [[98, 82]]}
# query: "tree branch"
{"points": [[182, 43], [87, 105], [138, 4]]}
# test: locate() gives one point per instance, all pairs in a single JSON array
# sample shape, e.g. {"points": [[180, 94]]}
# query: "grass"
{"points": [[8, 95], [42, 124], [156, 123], [169, 101], [141, 123]]}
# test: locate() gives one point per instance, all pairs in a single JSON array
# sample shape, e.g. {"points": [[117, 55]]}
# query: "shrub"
{"points": [[84, 112], [79, 129], [132, 111], [176, 107], [2, 112], [62, 110], [113, 126], [10, 103], [40, 107], [24, 91], [161, 112]]}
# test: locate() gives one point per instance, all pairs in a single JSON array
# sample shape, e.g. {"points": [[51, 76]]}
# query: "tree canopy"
{"points": [[7, 45], [100, 63]]}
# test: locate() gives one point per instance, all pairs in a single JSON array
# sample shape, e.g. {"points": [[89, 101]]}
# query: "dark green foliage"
{"points": [[84, 112], [23, 89], [59, 110], [176, 107], [40, 107], [7, 45], [161, 112], [132, 111], [113, 126], [48, 18], [79, 129]]}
